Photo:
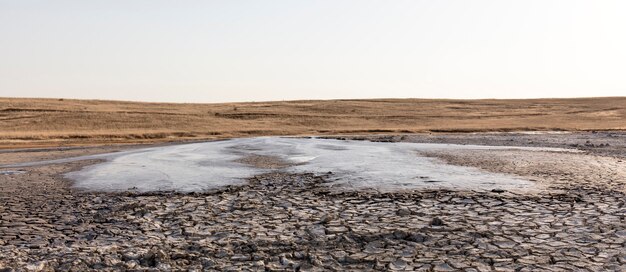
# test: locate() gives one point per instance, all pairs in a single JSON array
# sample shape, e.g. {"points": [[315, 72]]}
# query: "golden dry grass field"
{"points": [[53, 122]]}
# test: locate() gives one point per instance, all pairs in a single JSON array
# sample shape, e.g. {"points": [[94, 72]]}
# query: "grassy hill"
{"points": [[49, 122]]}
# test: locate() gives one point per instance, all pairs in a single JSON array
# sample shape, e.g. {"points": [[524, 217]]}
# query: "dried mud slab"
{"points": [[554, 170]]}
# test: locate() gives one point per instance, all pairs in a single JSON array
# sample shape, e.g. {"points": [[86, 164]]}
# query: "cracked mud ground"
{"points": [[292, 222]]}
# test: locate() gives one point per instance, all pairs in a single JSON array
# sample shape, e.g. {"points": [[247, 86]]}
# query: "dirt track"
{"points": [[286, 221]]}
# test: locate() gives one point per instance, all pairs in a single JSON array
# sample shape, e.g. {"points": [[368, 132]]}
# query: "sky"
{"points": [[250, 50]]}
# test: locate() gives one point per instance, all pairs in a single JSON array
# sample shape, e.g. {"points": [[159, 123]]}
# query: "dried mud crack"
{"points": [[286, 222]]}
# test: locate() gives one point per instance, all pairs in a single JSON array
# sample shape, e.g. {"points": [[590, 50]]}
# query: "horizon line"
{"points": [[300, 100]]}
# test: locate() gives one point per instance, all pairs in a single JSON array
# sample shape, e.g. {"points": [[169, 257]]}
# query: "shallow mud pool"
{"points": [[11, 172], [350, 165]]}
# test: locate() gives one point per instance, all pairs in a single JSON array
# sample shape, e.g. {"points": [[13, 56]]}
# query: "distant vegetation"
{"points": [[47, 122]]}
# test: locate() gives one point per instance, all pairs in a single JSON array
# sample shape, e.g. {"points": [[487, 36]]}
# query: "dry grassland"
{"points": [[53, 122]]}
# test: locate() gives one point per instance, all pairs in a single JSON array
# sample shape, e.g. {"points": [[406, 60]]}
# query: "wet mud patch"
{"points": [[265, 162]]}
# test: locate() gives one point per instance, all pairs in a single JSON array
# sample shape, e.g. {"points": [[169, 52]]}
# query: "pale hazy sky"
{"points": [[215, 51]]}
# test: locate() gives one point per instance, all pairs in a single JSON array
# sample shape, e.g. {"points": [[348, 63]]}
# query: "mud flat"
{"points": [[281, 220]]}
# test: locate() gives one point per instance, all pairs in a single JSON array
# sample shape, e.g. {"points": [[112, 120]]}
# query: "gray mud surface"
{"points": [[287, 222], [607, 143]]}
